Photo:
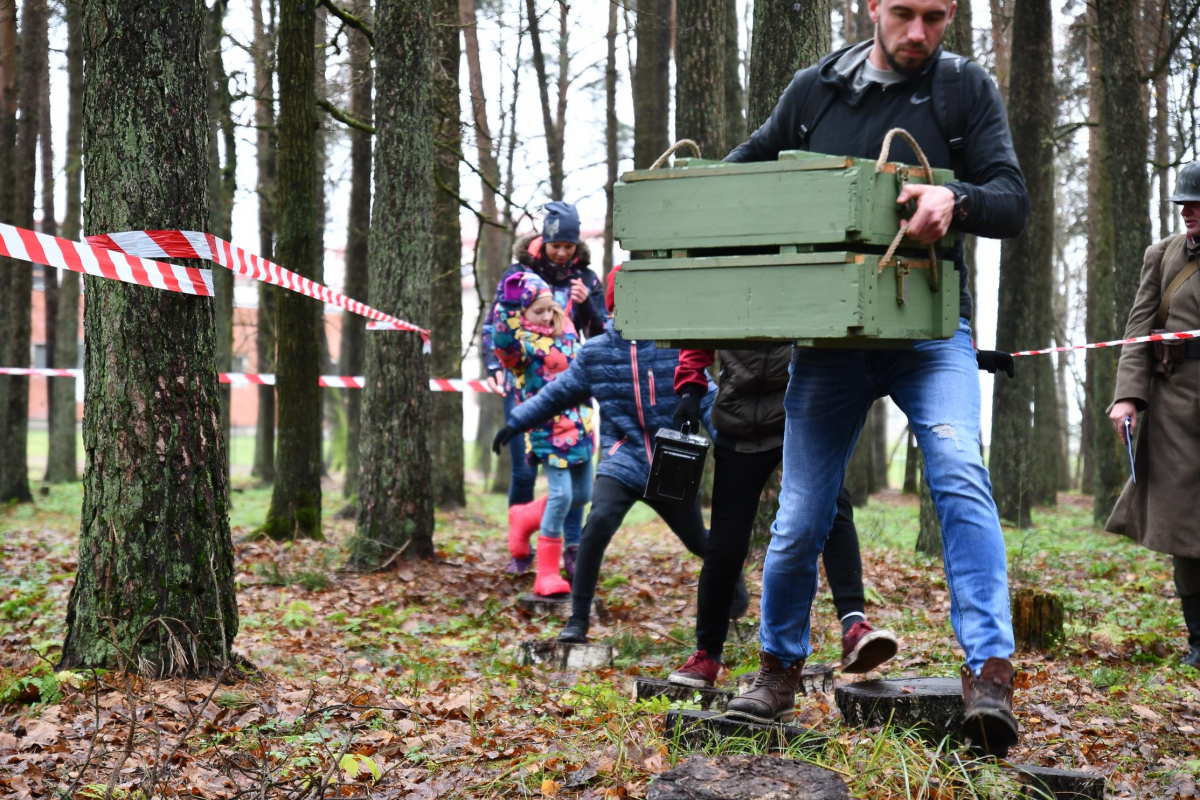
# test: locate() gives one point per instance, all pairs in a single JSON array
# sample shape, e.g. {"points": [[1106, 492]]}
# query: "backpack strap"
{"points": [[950, 106], [820, 97], [1188, 271]]}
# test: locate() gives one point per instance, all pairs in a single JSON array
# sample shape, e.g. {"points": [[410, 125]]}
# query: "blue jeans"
{"points": [[936, 384], [570, 490], [524, 476]]}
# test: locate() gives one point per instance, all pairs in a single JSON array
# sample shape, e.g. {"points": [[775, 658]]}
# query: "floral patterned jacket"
{"points": [[535, 358]]}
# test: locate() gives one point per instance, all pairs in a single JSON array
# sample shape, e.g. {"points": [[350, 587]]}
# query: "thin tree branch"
{"points": [[344, 118], [1164, 58], [349, 19]]}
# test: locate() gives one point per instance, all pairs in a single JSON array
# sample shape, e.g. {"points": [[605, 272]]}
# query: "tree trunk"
{"points": [[863, 23], [651, 82], [1159, 30], [156, 591], [929, 532], [395, 508], [960, 36], [861, 468], [879, 442], [1024, 417], [912, 465], [222, 184], [8, 140], [787, 37], [446, 408], [735, 120], [266, 146], [554, 144], [610, 134], [333, 420], [16, 326], [295, 510], [700, 74], [1002, 18], [1124, 125], [50, 228], [1097, 249], [61, 461], [362, 79]]}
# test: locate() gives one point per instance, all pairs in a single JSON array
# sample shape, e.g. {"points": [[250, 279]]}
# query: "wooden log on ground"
{"points": [[932, 705], [695, 729], [746, 778], [1037, 618], [708, 699], [813, 678], [535, 605], [1060, 784], [565, 656]]}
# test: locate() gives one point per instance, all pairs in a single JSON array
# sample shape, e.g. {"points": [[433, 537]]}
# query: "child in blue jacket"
{"points": [[633, 382]]}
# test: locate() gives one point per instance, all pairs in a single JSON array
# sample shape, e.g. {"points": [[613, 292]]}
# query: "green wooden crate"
{"points": [[823, 299], [801, 199]]}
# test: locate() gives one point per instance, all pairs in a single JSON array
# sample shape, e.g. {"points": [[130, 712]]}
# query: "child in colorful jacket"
{"points": [[535, 340]]}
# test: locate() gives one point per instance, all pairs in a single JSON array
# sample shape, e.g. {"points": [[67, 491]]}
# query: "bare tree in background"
{"points": [[700, 74], [651, 82], [610, 133], [554, 124]]}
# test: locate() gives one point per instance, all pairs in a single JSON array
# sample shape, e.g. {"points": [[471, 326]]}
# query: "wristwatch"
{"points": [[962, 204]]}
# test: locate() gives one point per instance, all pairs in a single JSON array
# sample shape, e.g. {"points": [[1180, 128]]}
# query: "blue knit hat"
{"points": [[561, 223]]}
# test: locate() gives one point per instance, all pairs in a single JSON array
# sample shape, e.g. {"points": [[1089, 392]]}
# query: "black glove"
{"points": [[688, 409], [995, 361], [503, 437]]}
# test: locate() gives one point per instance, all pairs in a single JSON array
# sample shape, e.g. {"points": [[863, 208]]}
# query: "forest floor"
{"points": [[405, 684]]}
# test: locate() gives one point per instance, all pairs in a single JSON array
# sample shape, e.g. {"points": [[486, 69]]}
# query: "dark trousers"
{"points": [[611, 501], [1187, 575], [524, 476], [737, 486]]}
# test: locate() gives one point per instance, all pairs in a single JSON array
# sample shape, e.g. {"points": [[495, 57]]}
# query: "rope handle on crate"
{"points": [[658, 162], [879, 165]]}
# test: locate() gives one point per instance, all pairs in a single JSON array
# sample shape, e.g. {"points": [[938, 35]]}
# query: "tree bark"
{"points": [[912, 466], [446, 408], [551, 126], [332, 418], [879, 442], [395, 508], [266, 146], [610, 134], [61, 461], [651, 82], [154, 591], [1023, 457], [735, 119], [787, 37], [1002, 38], [1097, 252], [295, 509], [860, 468], [700, 74], [8, 141], [50, 228], [929, 530], [1124, 125], [362, 79]]}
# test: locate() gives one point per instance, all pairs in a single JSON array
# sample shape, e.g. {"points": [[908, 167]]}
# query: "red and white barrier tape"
{"points": [[53, 251], [268, 379], [194, 244], [1154, 337]]}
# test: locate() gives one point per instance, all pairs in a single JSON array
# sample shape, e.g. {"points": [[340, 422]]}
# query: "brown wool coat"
{"points": [[1162, 512]]}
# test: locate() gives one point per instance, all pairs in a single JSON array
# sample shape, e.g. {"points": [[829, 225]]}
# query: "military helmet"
{"points": [[1187, 183]]}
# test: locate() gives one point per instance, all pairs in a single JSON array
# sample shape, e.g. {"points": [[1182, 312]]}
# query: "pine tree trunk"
{"points": [[879, 442], [912, 465], [50, 228], [929, 532], [554, 153], [1124, 126], [862, 20], [860, 468], [266, 146], [700, 74], [61, 460], [651, 82], [1096, 252], [8, 140], [735, 120], [332, 418], [362, 79], [395, 508], [1002, 18], [1024, 415], [610, 134], [787, 37], [446, 408], [295, 510], [156, 590]]}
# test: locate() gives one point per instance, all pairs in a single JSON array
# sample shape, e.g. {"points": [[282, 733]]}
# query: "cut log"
{"points": [[564, 656], [1060, 784], [813, 678], [934, 706], [746, 778], [695, 729], [708, 699], [535, 605], [1037, 619]]}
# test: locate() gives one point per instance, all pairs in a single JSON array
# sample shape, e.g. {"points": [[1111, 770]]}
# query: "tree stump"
{"points": [[813, 678], [565, 656], [746, 778], [695, 729], [1060, 784], [535, 605], [1037, 618], [649, 688], [934, 706]]}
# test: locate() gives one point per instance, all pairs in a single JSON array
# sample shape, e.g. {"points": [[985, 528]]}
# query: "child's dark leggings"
{"points": [[738, 483], [611, 501]]}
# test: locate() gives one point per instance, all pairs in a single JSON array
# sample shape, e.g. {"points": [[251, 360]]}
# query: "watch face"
{"points": [[962, 206]]}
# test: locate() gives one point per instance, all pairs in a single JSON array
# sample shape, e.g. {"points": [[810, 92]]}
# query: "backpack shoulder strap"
{"points": [[1188, 271], [816, 103], [949, 104]]}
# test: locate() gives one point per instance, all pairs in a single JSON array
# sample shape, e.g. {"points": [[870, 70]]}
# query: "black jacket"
{"points": [[748, 412], [855, 124]]}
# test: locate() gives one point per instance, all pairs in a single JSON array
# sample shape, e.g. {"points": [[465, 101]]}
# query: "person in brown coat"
{"points": [[1161, 380]]}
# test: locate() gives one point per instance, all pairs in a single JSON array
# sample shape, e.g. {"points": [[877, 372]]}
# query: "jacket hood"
{"points": [[839, 67], [522, 256]]}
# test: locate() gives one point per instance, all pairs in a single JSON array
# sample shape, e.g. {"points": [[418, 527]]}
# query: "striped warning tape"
{"points": [[1154, 337], [268, 379]]}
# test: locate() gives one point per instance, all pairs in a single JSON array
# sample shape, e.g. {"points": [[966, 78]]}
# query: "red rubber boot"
{"points": [[548, 581], [523, 521]]}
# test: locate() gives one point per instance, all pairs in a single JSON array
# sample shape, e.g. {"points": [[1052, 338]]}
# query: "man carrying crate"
{"points": [[844, 105]]}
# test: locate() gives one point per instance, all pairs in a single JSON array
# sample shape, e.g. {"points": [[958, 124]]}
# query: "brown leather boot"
{"points": [[989, 722], [773, 695]]}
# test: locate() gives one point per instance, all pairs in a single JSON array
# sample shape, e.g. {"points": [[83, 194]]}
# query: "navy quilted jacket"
{"points": [[633, 381]]}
